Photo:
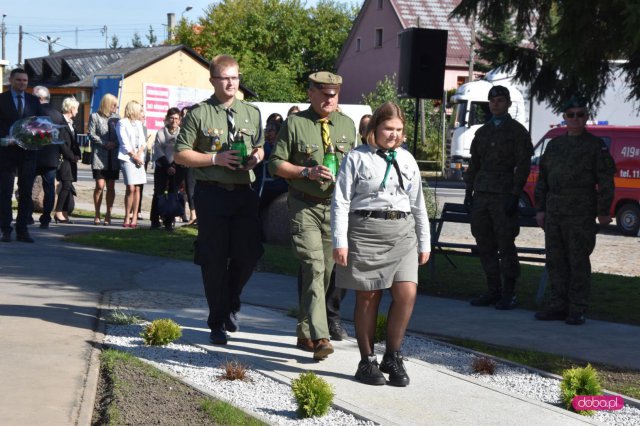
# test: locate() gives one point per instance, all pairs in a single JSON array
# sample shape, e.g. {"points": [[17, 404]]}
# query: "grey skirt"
{"points": [[133, 175], [380, 253]]}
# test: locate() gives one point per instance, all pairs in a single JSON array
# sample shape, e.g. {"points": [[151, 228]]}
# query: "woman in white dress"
{"points": [[380, 235], [131, 156]]}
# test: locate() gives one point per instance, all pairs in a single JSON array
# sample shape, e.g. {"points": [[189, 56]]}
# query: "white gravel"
{"points": [[274, 401]]}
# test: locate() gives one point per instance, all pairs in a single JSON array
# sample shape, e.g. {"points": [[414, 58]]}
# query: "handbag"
{"points": [[86, 157], [171, 204]]}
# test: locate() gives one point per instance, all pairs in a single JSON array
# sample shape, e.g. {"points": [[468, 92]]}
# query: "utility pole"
{"points": [[20, 45], [472, 46], [4, 38], [50, 42], [171, 25], [106, 36]]}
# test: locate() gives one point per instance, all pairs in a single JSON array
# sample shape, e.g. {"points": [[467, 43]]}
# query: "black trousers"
{"points": [[227, 247], [163, 182], [332, 299]]}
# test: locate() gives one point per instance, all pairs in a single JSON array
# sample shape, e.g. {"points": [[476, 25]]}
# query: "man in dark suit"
{"points": [[14, 105]]}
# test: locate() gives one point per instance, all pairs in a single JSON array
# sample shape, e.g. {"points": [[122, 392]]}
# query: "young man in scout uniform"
{"points": [[228, 243], [298, 157], [500, 160]]}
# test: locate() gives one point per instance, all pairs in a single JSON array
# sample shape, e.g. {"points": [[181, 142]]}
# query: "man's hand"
{"points": [[604, 220], [540, 219], [340, 256], [468, 200], [228, 159], [321, 173], [511, 205], [423, 258]]}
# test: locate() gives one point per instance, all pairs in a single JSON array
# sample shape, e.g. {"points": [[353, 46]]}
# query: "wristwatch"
{"points": [[305, 173]]}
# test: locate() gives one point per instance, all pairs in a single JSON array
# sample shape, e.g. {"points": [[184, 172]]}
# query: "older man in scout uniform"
{"points": [[574, 187], [228, 243], [298, 157], [500, 160]]}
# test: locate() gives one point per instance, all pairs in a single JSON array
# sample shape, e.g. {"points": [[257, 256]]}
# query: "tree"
{"points": [[386, 91], [114, 42], [136, 41], [571, 46], [277, 42], [151, 37]]}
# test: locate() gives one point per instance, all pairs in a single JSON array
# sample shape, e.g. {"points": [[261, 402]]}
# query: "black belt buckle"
{"points": [[393, 215]]}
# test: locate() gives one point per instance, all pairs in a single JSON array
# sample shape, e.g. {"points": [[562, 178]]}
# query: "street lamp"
{"points": [[186, 9]]}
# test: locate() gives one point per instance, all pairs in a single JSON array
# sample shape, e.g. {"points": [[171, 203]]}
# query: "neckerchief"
{"points": [[390, 158]]}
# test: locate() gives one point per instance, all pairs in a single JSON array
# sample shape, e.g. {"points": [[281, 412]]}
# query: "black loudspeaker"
{"points": [[423, 54]]}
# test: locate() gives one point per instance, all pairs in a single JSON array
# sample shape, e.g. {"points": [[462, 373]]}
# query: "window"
{"points": [[380, 4], [378, 40], [358, 44]]}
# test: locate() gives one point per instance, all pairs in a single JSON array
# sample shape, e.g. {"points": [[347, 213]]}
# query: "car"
{"points": [[624, 146]]}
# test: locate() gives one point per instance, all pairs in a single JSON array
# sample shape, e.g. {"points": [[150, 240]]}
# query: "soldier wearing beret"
{"points": [[500, 160], [298, 157], [228, 244], [574, 187]]}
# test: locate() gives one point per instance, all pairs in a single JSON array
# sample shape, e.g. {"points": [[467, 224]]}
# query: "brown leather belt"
{"points": [[382, 214], [309, 198], [227, 186]]}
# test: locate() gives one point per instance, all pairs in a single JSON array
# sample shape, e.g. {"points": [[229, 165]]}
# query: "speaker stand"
{"points": [[416, 117]]}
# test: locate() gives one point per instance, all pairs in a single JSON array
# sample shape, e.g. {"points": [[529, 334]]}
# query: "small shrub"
{"points": [[234, 370], [381, 329], [313, 395], [120, 317], [483, 365], [579, 381], [160, 332]]}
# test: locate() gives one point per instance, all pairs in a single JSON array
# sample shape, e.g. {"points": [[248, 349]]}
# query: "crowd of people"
{"points": [[363, 228]]}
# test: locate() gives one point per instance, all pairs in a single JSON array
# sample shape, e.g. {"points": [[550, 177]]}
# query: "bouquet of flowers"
{"points": [[33, 133]]}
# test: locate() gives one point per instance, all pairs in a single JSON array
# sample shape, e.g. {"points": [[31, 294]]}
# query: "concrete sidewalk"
{"points": [[48, 314]]}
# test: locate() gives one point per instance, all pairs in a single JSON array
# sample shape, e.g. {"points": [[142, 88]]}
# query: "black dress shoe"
{"points": [[551, 315], [337, 332], [218, 337], [44, 226], [507, 302], [24, 237], [575, 319], [486, 299], [6, 237], [231, 324]]}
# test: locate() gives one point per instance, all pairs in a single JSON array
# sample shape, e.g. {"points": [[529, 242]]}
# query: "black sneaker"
{"points": [[575, 318], [218, 336], [507, 302], [550, 315], [485, 299], [369, 373], [231, 323], [392, 363], [336, 331]]}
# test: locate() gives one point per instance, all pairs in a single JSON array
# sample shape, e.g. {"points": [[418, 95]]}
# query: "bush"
{"points": [[121, 317], [483, 365], [579, 381], [313, 395], [381, 329], [234, 370], [160, 332]]}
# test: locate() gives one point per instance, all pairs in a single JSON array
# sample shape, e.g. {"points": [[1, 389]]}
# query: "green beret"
{"points": [[575, 102], [328, 82]]}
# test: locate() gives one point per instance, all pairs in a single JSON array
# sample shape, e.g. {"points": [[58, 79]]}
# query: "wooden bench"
{"points": [[456, 213]]}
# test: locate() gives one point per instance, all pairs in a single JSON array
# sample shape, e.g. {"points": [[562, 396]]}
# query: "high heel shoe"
{"points": [[61, 220], [107, 220], [96, 221]]}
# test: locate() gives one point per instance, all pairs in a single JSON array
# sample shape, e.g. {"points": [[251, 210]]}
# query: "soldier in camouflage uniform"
{"points": [[500, 161], [298, 157], [228, 244], [575, 185]]}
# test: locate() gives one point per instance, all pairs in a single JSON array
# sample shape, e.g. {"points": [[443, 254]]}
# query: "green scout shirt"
{"points": [[570, 169], [300, 142], [205, 130], [500, 158]]}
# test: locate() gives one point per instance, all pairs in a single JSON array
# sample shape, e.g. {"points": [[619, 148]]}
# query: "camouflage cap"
{"points": [[574, 102], [499, 91], [327, 82]]}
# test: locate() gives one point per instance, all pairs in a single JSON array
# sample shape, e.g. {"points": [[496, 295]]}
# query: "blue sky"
{"points": [[42, 18]]}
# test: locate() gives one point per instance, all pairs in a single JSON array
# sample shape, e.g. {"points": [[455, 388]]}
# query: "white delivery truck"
{"points": [[471, 110]]}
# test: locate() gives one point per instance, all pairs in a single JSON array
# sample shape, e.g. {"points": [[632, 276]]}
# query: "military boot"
{"points": [[508, 300]]}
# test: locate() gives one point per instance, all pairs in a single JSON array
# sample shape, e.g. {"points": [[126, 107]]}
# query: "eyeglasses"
{"points": [[227, 79], [575, 114]]}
